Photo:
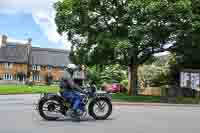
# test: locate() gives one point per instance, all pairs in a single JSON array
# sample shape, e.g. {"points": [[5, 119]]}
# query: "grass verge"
{"points": [[24, 89], [126, 98]]}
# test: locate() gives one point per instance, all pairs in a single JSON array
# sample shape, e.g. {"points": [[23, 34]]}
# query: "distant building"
{"points": [[18, 61]]}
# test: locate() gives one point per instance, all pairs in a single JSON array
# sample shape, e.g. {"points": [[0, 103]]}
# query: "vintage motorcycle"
{"points": [[95, 103]]}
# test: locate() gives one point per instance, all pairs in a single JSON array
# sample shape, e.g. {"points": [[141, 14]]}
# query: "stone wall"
{"points": [[151, 91]]}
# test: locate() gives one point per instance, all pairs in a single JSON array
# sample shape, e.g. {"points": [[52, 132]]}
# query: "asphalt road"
{"points": [[17, 115]]}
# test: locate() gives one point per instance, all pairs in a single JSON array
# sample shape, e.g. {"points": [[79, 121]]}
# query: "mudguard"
{"points": [[47, 96], [52, 96], [102, 94]]}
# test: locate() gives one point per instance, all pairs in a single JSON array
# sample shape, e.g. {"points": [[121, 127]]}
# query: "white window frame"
{"points": [[50, 68], [36, 77], [8, 65], [36, 67], [7, 77]]}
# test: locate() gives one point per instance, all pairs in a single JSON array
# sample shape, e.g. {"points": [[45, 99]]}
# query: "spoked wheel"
{"points": [[50, 109], [100, 109]]}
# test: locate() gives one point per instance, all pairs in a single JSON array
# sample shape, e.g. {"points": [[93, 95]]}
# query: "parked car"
{"points": [[114, 88]]}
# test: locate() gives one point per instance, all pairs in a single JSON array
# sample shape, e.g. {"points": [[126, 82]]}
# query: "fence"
{"points": [[151, 91]]}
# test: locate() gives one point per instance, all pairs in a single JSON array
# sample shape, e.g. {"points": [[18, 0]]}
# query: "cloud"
{"points": [[47, 24], [26, 6], [43, 14]]}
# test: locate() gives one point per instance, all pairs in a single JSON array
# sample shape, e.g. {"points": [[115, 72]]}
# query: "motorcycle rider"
{"points": [[70, 90]]}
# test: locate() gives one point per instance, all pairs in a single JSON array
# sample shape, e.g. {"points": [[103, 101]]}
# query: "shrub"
{"points": [[110, 74], [29, 83], [49, 79], [113, 73], [125, 82]]}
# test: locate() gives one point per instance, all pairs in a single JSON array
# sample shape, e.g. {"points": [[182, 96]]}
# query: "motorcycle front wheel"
{"points": [[100, 109]]}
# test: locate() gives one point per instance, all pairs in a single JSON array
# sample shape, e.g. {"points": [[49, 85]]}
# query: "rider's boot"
{"points": [[76, 114]]}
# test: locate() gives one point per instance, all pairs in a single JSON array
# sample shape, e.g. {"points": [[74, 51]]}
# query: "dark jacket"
{"points": [[68, 84]]}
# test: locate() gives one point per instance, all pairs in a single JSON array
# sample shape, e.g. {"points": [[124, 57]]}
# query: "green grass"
{"points": [[125, 97], [187, 100], [24, 89], [153, 99]]}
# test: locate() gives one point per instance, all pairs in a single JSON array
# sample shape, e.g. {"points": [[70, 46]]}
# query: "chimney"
{"points": [[29, 45], [4, 40], [29, 41]]}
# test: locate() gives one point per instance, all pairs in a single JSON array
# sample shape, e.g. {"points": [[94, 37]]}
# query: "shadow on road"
{"points": [[83, 120]]}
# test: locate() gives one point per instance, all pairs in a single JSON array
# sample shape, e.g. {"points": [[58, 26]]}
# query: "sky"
{"points": [[23, 19]]}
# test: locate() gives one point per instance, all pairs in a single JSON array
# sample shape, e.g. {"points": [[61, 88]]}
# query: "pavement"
{"points": [[17, 115]]}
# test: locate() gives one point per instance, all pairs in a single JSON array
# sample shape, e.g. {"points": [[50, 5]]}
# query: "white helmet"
{"points": [[71, 66]]}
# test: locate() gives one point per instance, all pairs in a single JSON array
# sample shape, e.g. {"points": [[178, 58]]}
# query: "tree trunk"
{"points": [[100, 68], [133, 80]]}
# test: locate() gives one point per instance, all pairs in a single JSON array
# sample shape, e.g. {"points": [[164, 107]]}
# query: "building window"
{"points": [[36, 77], [7, 77], [8, 65], [36, 67], [49, 68]]}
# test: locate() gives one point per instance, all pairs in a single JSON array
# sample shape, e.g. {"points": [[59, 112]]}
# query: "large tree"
{"points": [[187, 52], [129, 31]]}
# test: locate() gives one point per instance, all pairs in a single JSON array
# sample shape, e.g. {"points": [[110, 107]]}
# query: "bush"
{"points": [[153, 75], [29, 83], [164, 90], [93, 75], [125, 82], [48, 79], [188, 92], [187, 100], [110, 74], [113, 74]]}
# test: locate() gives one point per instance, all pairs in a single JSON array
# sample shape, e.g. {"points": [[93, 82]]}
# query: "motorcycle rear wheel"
{"points": [[50, 108]]}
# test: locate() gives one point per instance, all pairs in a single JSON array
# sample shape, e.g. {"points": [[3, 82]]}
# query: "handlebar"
{"points": [[89, 89]]}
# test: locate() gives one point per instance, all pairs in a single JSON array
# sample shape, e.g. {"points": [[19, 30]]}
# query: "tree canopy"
{"points": [[188, 49], [124, 31]]}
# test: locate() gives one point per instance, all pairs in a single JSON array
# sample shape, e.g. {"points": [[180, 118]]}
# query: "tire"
{"points": [[41, 112], [91, 109]]}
